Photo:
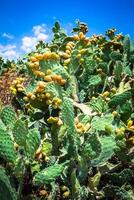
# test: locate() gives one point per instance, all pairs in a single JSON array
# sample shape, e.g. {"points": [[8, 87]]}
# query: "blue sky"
{"points": [[23, 21]]}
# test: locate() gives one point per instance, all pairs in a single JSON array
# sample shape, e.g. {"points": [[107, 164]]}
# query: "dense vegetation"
{"points": [[66, 119]]}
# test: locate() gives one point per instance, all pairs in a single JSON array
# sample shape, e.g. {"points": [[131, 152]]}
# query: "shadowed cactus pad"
{"points": [[6, 190], [119, 99], [108, 146]]}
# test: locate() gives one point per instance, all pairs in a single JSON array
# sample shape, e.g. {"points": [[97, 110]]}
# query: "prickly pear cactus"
{"points": [[32, 142], [115, 56], [122, 177], [68, 132], [7, 192], [8, 115], [120, 99], [7, 150], [108, 145], [103, 122], [49, 174], [68, 118], [20, 132], [68, 113]]}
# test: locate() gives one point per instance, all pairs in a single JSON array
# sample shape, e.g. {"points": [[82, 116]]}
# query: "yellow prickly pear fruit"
{"points": [[26, 99], [66, 194], [20, 89], [114, 113], [67, 61], [65, 56], [64, 188], [82, 51], [31, 65], [48, 78], [29, 94], [48, 102], [52, 119], [36, 64], [49, 71], [113, 90], [68, 48], [62, 82], [47, 95], [81, 35], [76, 37], [39, 56], [129, 123], [78, 55], [33, 97], [41, 84], [105, 94], [68, 52], [33, 59], [81, 60], [43, 193]]}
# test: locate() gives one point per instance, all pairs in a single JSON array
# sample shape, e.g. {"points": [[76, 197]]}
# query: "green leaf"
{"points": [[94, 80], [7, 192], [118, 193], [108, 145], [125, 111], [118, 70], [31, 86], [2, 125], [90, 65], [32, 142], [60, 70], [119, 99], [46, 148], [92, 147], [128, 71], [8, 115], [20, 132], [98, 104], [126, 43], [55, 89], [49, 174], [115, 55], [73, 86], [68, 113], [57, 25], [103, 122], [122, 177], [68, 118], [7, 150]]}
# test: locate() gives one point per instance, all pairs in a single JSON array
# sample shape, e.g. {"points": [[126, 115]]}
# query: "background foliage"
{"points": [[66, 119]]}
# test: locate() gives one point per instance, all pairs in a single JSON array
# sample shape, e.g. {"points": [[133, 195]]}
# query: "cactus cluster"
{"points": [[67, 131]]}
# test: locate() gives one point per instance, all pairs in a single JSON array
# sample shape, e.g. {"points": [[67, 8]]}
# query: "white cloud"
{"points": [[39, 29], [9, 51], [7, 35], [42, 37], [39, 34], [28, 43], [10, 54], [7, 47]]}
